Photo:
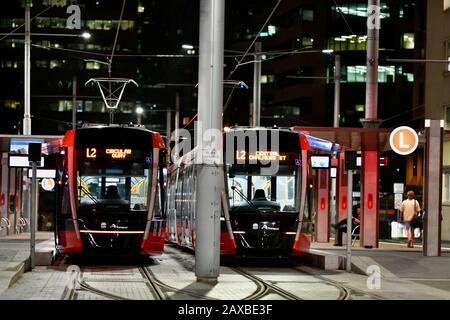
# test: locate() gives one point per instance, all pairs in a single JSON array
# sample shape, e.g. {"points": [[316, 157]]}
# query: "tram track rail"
{"points": [[160, 284], [79, 284], [264, 287], [345, 293]]}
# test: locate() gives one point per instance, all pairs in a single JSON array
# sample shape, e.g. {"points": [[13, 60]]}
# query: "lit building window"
{"points": [[303, 42], [92, 65], [11, 104], [357, 10], [64, 105], [352, 74], [408, 41], [140, 9], [272, 30], [446, 5], [55, 64], [109, 24], [269, 78], [348, 43], [359, 107]]}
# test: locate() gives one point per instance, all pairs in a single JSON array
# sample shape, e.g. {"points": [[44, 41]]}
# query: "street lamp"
{"points": [[86, 35], [139, 111]]}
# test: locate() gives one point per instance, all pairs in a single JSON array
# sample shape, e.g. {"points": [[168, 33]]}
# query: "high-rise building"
{"points": [[298, 86], [158, 47], [148, 50]]}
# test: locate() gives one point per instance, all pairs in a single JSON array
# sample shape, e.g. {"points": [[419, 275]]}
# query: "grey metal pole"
{"points": [[210, 104], [74, 102], [27, 108], [33, 215], [349, 219], [257, 86], [337, 90], [372, 64], [337, 108]]}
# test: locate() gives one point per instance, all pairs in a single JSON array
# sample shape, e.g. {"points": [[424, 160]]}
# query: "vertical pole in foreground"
{"points": [[33, 215], [210, 105], [27, 108], [349, 219], [256, 115]]}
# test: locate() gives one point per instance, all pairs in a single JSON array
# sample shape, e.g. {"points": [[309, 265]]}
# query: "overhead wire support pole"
{"points": [[27, 53], [257, 86], [337, 108], [337, 90], [373, 34]]}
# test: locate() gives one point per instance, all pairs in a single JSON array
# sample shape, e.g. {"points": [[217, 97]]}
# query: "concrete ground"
{"points": [[399, 262], [404, 274]]}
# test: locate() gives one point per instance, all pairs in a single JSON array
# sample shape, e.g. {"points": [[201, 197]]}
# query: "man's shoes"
{"points": [[333, 225], [338, 244]]}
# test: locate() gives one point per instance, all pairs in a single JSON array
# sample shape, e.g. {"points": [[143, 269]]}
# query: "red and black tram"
{"points": [[265, 194], [110, 195]]}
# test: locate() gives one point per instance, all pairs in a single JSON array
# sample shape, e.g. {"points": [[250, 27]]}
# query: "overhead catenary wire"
{"points": [[117, 32], [254, 40], [239, 61], [343, 17], [161, 55], [14, 30]]}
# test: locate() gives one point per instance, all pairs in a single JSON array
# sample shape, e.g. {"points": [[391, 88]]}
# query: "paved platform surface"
{"points": [[398, 261], [404, 274], [14, 255]]}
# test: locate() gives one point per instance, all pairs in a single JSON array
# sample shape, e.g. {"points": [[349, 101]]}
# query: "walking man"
{"points": [[408, 211]]}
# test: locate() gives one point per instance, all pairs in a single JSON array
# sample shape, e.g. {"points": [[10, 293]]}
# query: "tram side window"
{"points": [[194, 191], [171, 193], [159, 197], [179, 194]]}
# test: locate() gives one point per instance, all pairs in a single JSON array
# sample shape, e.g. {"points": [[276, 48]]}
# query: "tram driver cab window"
{"points": [[112, 192]]}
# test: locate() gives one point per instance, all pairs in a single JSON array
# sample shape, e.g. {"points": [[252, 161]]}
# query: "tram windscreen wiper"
{"points": [[245, 198]]}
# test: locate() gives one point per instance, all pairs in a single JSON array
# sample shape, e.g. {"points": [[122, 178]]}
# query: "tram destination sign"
{"points": [[242, 155], [113, 153]]}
